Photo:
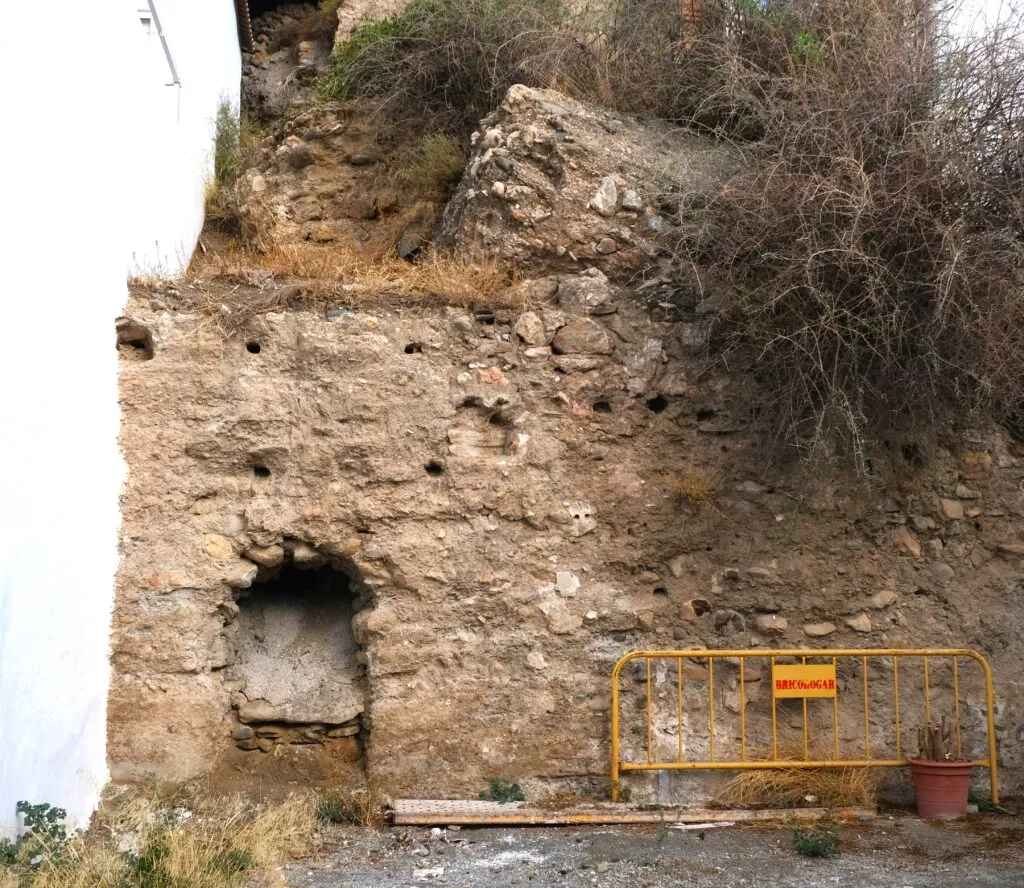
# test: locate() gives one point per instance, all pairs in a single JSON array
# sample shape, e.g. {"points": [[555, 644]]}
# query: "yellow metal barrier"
{"points": [[795, 675]]}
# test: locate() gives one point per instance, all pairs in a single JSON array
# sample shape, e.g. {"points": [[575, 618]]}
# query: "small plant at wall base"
{"points": [[45, 837], [821, 840], [503, 791]]}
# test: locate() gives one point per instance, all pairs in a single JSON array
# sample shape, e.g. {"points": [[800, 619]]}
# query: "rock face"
{"points": [[555, 184], [500, 529]]}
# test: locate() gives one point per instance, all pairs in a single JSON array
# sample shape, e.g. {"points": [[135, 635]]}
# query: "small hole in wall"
{"points": [[434, 468], [414, 348], [261, 471], [705, 415], [253, 347], [660, 590], [498, 419], [657, 404], [134, 341], [602, 407]]}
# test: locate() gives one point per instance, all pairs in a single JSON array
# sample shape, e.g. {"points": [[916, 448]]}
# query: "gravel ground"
{"points": [[982, 852]]}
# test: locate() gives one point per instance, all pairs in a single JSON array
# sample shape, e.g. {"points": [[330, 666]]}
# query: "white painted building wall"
{"points": [[102, 162], [178, 123]]}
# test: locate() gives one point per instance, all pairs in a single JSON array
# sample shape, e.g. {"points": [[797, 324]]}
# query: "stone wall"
{"points": [[516, 499]]}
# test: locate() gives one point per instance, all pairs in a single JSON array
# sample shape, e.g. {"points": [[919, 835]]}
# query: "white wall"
{"points": [[97, 164], [178, 123]]}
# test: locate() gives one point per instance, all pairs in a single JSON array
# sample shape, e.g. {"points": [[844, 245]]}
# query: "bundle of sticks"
{"points": [[934, 742]]}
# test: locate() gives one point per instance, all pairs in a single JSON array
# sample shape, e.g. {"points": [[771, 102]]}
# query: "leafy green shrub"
{"points": [[820, 841], [45, 837], [503, 791]]}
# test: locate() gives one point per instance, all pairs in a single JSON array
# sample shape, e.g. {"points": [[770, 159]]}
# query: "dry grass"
{"points": [[336, 274], [695, 485], [791, 787], [359, 805], [436, 167], [147, 839]]}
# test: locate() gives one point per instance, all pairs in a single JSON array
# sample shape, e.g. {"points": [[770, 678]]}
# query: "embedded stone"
{"points": [[567, 583], [242, 732], [258, 711], [530, 328], [606, 199], [952, 509], [771, 623], [218, 547], [582, 337], [632, 201], [728, 622], [942, 573], [1012, 550], [819, 630], [241, 575], [267, 556], [906, 540], [304, 555], [881, 600], [859, 623]]}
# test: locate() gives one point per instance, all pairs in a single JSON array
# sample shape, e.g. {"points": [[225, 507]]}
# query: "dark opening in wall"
{"points": [[706, 415], [297, 663], [261, 471], [657, 403], [434, 468], [134, 340], [253, 347], [602, 407], [414, 348]]}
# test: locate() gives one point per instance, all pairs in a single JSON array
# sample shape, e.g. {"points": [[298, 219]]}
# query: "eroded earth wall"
{"points": [[513, 499]]}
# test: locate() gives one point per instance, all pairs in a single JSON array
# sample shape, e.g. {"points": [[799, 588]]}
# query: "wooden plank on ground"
{"points": [[431, 812]]}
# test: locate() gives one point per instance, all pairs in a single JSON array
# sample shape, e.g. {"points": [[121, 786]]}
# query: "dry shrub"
{"points": [[869, 262], [146, 839], [791, 787], [456, 59], [867, 265]]}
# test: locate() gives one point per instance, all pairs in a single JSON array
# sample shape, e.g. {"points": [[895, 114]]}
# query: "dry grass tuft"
{"points": [[695, 485], [791, 787], [358, 805], [437, 166], [146, 839]]}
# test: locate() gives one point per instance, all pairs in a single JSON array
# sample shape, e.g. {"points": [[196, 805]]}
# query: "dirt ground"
{"points": [[886, 853]]}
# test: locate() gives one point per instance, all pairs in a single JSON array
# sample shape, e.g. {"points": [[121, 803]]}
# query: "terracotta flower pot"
{"points": [[941, 788]]}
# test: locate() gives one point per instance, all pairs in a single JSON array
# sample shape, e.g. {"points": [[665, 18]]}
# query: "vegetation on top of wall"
{"points": [[234, 145], [456, 59], [868, 263]]}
